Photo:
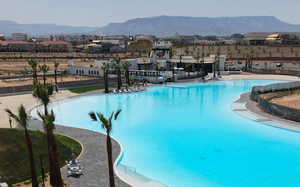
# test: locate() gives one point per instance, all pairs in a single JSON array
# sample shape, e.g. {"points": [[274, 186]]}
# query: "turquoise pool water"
{"points": [[189, 137]]}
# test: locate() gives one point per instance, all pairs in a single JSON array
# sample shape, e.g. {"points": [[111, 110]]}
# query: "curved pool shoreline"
{"points": [[119, 158]]}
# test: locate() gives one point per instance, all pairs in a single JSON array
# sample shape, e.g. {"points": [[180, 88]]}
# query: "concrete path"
{"points": [[250, 109], [93, 157]]}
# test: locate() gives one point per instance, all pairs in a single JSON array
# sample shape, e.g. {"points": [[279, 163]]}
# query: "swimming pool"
{"points": [[189, 137]]}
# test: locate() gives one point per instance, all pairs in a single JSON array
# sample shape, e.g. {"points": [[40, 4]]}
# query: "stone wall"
{"points": [[275, 109]]}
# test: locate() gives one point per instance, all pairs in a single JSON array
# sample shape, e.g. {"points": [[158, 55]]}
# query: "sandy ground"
{"points": [[19, 66], [13, 102], [292, 101], [28, 81]]}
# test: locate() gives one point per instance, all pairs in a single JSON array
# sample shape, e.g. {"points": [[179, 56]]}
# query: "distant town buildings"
{"points": [[140, 45], [2, 37], [26, 46], [19, 36]]}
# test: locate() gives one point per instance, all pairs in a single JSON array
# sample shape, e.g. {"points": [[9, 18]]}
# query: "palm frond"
{"points": [[105, 122], [93, 116], [118, 113], [111, 116], [42, 92], [22, 115], [12, 115], [21, 118]]}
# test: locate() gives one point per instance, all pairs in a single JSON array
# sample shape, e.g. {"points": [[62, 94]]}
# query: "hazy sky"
{"points": [[101, 12]]}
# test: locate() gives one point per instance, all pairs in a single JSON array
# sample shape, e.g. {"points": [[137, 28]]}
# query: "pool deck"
{"points": [[93, 157], [247, 108]]}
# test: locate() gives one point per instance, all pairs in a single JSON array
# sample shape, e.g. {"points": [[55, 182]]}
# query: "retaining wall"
{"points": [[275, 109]]}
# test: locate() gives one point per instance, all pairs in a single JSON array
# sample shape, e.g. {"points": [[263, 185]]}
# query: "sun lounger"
{"points": [[74, 168], [3, 185]]}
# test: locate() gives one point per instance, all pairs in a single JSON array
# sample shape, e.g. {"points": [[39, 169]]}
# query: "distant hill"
{"points": [[8, 27], [170, 25], [162, 26]]}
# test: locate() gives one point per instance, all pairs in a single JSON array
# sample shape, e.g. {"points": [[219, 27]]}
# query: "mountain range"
{"points": [[7, 27], [170, 25], [162, 26]]}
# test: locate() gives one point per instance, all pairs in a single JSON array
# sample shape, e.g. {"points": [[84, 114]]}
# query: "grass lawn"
{"points": [[14, 162], [88, 89]]}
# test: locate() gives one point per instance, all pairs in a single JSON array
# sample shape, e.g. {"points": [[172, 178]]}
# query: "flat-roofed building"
{"points": [[19, 36], [2, 37]]}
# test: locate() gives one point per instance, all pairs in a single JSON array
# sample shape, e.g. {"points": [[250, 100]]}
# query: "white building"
{"points": [[19, 36]]}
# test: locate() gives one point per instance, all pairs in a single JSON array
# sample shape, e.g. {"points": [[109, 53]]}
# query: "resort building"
{"points": [[92, 70]]}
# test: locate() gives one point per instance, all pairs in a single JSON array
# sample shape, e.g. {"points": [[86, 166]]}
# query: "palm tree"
{"points": [[44, 69], [189, 68], [56, 64], [126, 65], [43, 93], [105, 68], [198, 60], [106, 124], [156, 65], [117, 66], [33, 65], [49, 126], [22, 119]]}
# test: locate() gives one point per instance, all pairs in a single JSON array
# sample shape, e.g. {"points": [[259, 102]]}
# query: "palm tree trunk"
{"points": [[31, 159], [119, 79], [127, 77], [50, 152], [50, 158], [110, 161], [106, 81], [34, 75], [44, 78], [55, 80], [55, 158], [55, 76]]}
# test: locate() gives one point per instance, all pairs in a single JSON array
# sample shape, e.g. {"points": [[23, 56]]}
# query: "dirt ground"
{"points": [[292, 101], [28, 81], [17, 67]]}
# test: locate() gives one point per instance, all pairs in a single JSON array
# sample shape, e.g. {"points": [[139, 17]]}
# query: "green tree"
{"points": [[107, 124], [48, 121], [156, 65], [189, 68], [126, 65], [22, 119], [43, 93], [34, 69], [117, 67], [44, 69], [105, 69], [56, 64]]}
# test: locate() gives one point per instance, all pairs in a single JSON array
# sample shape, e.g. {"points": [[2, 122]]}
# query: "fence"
{"points": [[278, 110]]}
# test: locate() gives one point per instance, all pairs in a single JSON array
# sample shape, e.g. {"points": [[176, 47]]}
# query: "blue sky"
{"points": [[101, 12]]}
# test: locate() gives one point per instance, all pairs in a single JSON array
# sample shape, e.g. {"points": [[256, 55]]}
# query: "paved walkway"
{"points": [[93, 157], [250, 109]]}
